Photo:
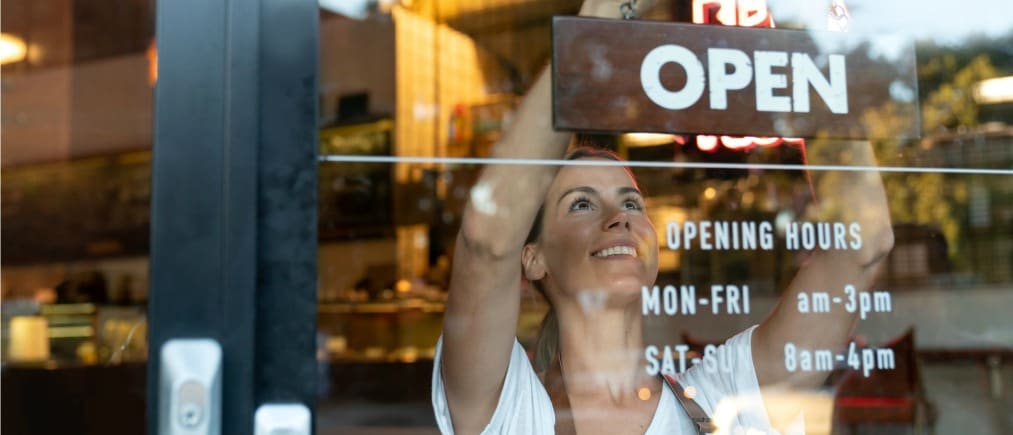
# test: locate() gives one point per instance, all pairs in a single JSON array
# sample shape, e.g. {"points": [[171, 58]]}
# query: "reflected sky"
{"points": [[941, 21]]}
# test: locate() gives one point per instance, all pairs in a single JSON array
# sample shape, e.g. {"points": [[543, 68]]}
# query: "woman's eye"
{"points": [[632, 205], [580, 204]]}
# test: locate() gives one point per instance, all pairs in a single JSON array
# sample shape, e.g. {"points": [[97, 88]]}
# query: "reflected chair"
{"points": [[885, 401]]}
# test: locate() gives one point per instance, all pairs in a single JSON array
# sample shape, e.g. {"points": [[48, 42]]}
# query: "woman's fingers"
{"points": [[613, 8]]}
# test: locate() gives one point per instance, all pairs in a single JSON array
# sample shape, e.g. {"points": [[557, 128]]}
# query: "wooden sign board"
{"points": [[649, 76]]}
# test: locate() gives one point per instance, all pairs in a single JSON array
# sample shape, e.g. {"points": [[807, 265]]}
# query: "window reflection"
{"points": [[76, 175], [442, 79], [458, 72]]}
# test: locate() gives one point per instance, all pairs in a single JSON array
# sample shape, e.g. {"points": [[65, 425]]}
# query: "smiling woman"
{"points": [[582, 202], [591, 249]]}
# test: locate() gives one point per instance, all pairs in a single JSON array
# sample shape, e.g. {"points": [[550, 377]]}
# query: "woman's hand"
{"points": [[613, 8]]}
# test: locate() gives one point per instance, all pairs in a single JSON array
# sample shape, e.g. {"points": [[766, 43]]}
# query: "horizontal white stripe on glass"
{"points": [[336, 158]]}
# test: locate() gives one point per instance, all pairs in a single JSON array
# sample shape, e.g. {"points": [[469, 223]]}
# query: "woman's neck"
{"points": [[601, 352]]}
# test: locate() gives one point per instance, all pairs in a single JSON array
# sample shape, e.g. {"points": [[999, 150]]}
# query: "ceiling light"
{"points": [[12, 48], [648, 139]]}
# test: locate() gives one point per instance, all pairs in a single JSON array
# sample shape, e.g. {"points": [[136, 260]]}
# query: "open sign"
{"points": [[730, 70], [611, 75]]}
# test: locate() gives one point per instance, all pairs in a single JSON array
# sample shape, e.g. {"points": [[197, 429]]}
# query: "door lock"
{"points": [[190, 387]]}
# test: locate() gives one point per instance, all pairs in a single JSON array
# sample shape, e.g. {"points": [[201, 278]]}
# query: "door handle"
{"points": [[190, 387], [282, 419]]}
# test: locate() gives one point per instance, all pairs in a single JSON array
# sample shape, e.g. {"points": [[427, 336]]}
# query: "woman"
{"points": [[590, 250]]}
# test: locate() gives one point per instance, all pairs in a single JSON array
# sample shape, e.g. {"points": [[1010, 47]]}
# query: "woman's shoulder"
{"points": [[725, 377], [522, 407], [725, 367]]}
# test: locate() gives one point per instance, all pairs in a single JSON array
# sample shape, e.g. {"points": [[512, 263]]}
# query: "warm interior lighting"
{"points": [[384, 6], [12, 48], [403, 286], [710, 143], [997, 90], [29, 339], [710, 193], [152, 54], [647, 139], [668, 259]]}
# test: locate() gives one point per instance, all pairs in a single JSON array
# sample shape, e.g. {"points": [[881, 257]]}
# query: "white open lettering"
{"points": [[731, 70]]}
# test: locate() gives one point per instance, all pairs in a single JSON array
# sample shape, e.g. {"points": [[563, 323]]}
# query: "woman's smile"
{"points": [[620, 250]]}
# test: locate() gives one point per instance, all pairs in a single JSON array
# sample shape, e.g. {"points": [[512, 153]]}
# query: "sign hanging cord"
{"points": [[628, 9], [839, 19]]}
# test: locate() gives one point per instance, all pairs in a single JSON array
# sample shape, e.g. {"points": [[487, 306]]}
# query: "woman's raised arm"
{"points": [[480, 322], [844, 196]]}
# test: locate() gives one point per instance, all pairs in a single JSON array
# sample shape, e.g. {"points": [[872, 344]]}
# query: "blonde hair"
{"points": [[547, 344]]}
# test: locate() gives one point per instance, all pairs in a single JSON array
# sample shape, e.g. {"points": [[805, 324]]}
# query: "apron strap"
{"points": [[556, 389], [693, 409]]}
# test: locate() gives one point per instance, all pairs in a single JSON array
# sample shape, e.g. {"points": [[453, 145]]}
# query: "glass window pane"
{"points": [[77, 98], [876, 268]]}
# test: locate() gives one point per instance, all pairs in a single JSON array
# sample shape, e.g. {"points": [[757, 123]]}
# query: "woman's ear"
{"points": [[531, 261]]}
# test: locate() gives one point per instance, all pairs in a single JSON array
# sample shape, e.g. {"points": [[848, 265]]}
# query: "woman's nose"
{"points": [[620, 220]]}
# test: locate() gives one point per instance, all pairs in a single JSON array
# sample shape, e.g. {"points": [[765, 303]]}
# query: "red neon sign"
{"points": [[744, 143], [743, 13]]}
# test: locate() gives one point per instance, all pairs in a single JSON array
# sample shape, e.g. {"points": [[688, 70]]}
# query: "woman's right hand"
{"points": [[613, 8]]}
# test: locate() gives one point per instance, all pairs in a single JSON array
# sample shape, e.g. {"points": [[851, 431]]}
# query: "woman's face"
{"points": [[596, 235]]}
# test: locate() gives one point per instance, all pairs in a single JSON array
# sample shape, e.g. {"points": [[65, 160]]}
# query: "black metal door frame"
{"points": [[233, 225]]}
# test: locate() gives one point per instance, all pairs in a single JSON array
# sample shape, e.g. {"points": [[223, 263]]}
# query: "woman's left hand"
{"points": [[613, 8]]}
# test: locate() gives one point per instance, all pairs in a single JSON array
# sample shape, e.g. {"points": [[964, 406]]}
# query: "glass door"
{"points": [[233, 235], [416, 96]]}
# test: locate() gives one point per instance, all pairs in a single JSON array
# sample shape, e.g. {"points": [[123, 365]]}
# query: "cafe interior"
{"points": [[411, 79]]}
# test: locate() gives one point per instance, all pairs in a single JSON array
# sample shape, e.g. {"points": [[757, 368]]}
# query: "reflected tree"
{"points": [[932, 199]]}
